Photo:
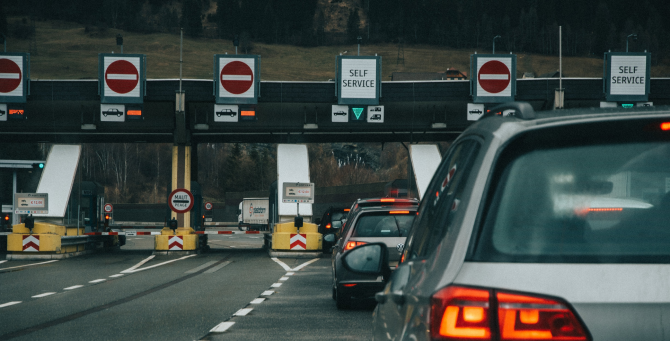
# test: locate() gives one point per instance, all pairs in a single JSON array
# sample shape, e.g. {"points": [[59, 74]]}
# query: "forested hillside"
{"points": [[530, 26]]}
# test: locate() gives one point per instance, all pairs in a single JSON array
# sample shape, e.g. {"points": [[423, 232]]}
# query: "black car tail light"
{"points": [[464, 313]]}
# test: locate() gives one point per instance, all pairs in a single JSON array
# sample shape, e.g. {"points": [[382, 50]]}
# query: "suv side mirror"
{"points": [[369, 259], [336, 224], [330, 238]]}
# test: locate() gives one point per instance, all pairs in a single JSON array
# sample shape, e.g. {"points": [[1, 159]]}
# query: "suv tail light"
{"points": [[460, 313], [328, 225], [351, 245]]}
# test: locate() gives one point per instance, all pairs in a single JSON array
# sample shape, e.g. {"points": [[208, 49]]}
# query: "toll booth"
{"points": [[88, 198]]}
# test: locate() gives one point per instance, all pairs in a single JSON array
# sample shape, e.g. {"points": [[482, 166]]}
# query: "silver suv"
{"points": [[538, 226]]}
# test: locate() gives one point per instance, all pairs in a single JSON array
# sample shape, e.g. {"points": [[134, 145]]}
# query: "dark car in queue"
{"points": [[539, 226], [385, 220], [330, 223]]}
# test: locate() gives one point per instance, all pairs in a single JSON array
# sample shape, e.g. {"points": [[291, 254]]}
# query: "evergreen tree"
{"points": [[191, 19], [353, 26]]}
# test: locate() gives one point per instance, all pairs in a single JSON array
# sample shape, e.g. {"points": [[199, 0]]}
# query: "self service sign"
{"points": [[358, 79], [627, 76]]}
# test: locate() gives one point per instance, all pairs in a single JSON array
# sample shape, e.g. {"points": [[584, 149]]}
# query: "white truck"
{"points": [[253, 214]]}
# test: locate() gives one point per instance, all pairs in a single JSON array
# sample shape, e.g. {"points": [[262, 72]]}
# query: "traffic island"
{"points": [[181, 241], [289, 242], [50, 241]]}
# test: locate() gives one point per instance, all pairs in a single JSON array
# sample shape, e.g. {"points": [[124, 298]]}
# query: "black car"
{"points": [[340, 113], [226, 112], [385, 220], [113, 112], [2, 112], [331, 222]]}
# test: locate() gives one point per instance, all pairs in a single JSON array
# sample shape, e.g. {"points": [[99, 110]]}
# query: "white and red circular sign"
{"points": [[11, 76], [208, 206], [122, 76], [236, 77], [494, 77], [180, 200], [108, 208]]}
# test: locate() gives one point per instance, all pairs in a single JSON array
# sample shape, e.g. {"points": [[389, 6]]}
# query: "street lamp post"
{"points": [[634, 39], [494, 44], [359, 44]]}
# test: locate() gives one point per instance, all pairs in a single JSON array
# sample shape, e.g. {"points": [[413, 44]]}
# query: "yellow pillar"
{"points": [[181, 178]]}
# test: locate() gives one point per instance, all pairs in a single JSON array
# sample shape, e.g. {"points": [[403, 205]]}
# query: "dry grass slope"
{"points": [[65, 51]]}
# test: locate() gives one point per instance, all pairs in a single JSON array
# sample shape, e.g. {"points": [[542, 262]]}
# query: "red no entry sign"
{"points": [[10, 75], [122, 76], [237, 77], [494, 76]]}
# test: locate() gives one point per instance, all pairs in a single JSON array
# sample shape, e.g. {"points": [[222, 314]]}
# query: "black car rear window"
{"points": [[383, 225]]}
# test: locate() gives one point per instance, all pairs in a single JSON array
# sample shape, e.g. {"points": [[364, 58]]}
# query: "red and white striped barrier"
{"points": [[129, 233], [227, 232], [298, 241], [176, 243], [31, 243], [139, 233]]}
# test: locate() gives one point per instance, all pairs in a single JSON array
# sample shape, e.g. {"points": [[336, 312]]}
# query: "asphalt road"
{"points": [[234, 292]]}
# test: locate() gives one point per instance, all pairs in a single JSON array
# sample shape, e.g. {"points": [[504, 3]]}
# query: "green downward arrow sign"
{"points": [[357, 112]]}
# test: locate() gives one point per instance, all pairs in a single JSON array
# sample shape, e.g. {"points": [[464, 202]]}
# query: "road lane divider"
{"points": [[221, 327], [43, 295], [267, 292], [288, 268], [98, 280], [117, 275], [9, 304], [257, 301], [26, 265], [73, 287], [135, 269], [276, 285], [130, 269], [243, 312]]}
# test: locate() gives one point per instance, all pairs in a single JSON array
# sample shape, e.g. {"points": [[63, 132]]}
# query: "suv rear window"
{"points": [[383, 225], [603, 203]]}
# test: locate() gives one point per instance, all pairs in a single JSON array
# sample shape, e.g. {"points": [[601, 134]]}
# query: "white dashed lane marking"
{"points": [[73, 287], [243, 312], [257, 301], [267, 293], [9, 303], [97, 280], [44, 294], [222, 327]]}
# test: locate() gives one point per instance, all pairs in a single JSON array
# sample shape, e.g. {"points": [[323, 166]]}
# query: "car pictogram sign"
{"points": [[237, 77], [208, 206], [494, 77], [180, 200], [11, 76], [109, 208], [122, 77]]}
